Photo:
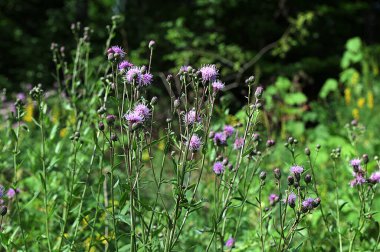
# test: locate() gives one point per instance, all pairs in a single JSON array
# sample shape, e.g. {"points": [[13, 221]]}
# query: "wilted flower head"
{"points": [[125, 65], [230, 243], [270, 143], [142, 110], [151, 44], [220, 138], [209, 73], [218, 168], [296, 170], [191, 117], [217, 86], [273, 198], [375, 177], [195, 142], [134, 118], [229, 130], [239, 142]]}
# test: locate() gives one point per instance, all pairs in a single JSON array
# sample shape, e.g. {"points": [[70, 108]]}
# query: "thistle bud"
{"points": [[316, 202], [176, 103], [277, 173], [110, 119], [290, 180], [151, 44], [153, 101], [101, 126], [365, 158], [3, 210], [307, 151], [113, 137], [263, 175], [307, 178], [259, 92]]}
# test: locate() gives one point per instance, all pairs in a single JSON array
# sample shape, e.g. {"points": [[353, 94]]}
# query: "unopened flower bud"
{"points": [[151, 44], [3, 210], [110, 119], [259, 92], [365, 158], [176, 103], [307, 151], [307, 178], [290, 180], [101, 126], [263, 175], [277, 173], [316, 202], [113, 137], [153, 101]]}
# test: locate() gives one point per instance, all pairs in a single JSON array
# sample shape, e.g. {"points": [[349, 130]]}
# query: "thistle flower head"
{"points": [[209, 73], [291, 201], [308, 203], [273, 198], [218, 168], [220, 138], [229, 130], [358, 180], [142, 110], [375, 177], [133, 74], [134, 118], [191, 117], [230, 243], [195, 142], [217, 85], [2, 189], [117, 50], [145, 79], [296, 170], [124, 65], [11, 193], [239, 143]]}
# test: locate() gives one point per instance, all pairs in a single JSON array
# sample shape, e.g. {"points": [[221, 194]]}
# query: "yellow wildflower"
{"points": [[361, 102], [145, 155], [355, 113], [347, 95], [63, 132], [355, 78], [29, 110], [370, 99]]}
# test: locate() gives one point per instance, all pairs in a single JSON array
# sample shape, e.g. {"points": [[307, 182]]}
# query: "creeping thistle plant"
{"points": [[118, 169]]}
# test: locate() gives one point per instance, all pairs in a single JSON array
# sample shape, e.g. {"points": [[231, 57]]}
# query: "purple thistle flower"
{"points": [[230, 243], [291, 201], [195, 142], [191, 117], [239, 142], [355, 162], [145, 79], [118, 50], [218, 168], [259, 92], [184, 69], [133, 74], [142, 110], [217, 86], [273, 198], [229, 130], [125, 65], [270, 143], [358, 180], [21, 96], [308, 203], [220, 138], [375, 177], [209, 72], [296, 170], [11, 193], [133, 117]]}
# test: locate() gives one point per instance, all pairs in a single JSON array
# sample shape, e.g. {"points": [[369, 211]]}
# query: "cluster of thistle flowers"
{"points": [[360, 174], [294, 182]]}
